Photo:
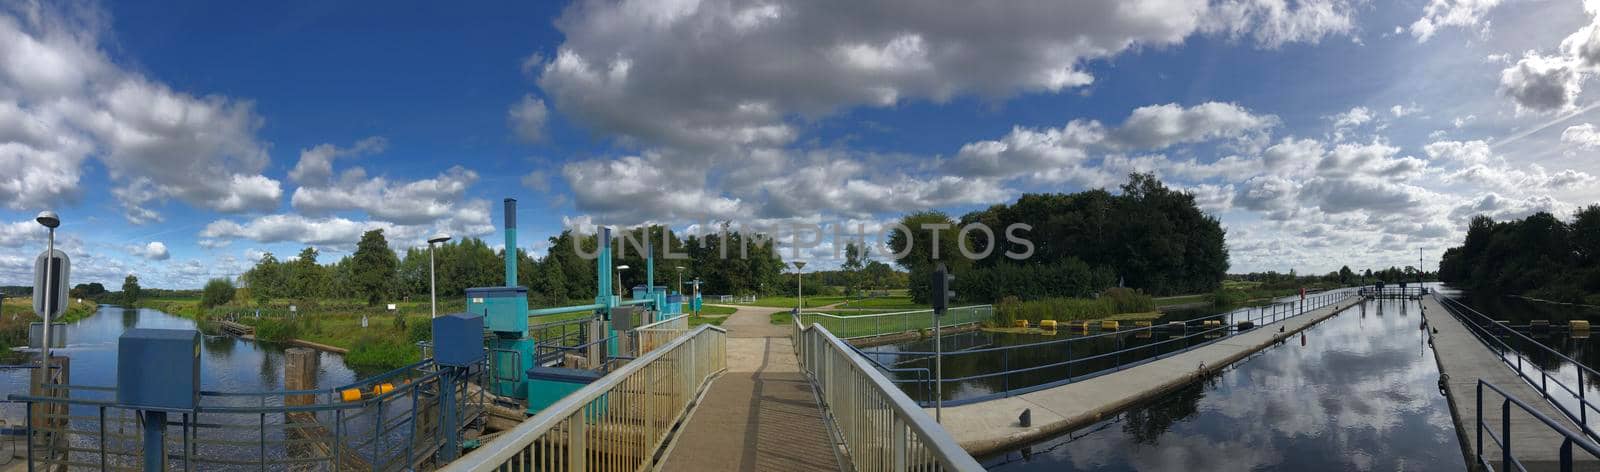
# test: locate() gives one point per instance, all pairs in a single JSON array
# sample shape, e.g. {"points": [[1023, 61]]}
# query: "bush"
{"points": [[276, 330], [373, 353], [217, 292], [418, 332], [1226, 298], [1114, 301]]}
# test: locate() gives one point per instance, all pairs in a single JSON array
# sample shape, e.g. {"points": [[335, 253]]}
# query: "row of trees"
{"points": [[374, 272], [1149, 237], [1540, 256]]}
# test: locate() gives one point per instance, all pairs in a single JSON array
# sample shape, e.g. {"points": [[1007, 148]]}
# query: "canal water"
{"points": [[227, 364], [982, 364], [1359, 393]]}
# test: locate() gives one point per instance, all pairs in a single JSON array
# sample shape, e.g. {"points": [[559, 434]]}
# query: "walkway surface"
{"points": [[1465, 359], [761, 414], [991, 426]]}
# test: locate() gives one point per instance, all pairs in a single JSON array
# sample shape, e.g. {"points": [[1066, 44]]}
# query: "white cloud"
{"points": [[405, 203], [1450, 13], [1400, 111], [316, 164], [1355, 117], [156, 143], [155, 251], [537, 181], [1273, 23], [1538, 83], [527, 118], [1584, 136]]}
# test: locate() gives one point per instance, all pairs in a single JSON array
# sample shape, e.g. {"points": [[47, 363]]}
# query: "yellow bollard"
{"points": [[1020, 323], [1578, 325], [1109, 325], [383, 388], [350, 395], [1047, 324], [1079, 325]]}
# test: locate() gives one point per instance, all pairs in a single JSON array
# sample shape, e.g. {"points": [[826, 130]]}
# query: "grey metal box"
{"points": [[159, 369]]}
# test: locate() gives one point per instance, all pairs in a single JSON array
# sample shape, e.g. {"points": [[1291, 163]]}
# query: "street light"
{"points": [[680, 280], [800, 289], [49, 220], [433, 290], [620, 268]]}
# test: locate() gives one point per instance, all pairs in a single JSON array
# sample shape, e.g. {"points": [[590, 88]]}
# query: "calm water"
{"points": [[973, 369], [1360, 394], [227, 364]]}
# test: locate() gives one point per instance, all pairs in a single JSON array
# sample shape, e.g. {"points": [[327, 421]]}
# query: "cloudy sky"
{"points": [[182, 140]]}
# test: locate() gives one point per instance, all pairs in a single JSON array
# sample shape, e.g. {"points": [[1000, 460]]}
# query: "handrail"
{"points": [[1503, 441], [1258, 315], [1479, 331], [856, 396], [647, 396], [662, 323]]}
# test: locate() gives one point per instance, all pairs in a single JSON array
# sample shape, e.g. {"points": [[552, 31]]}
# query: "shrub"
{"points": [[217, 292], [418, 332], [374, 353], [1228, 298], [276, 330], [1114, 301]]}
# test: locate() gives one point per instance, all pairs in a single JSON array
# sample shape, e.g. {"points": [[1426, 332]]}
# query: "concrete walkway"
{"points": [[991, 426], [1465, 359], [761, 414]]}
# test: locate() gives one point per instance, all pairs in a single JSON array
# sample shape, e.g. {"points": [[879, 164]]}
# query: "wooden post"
{"points": [[300, 373], [50, 418]]}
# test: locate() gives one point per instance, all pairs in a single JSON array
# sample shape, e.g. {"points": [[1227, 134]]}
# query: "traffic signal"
{"points": [[941, 289]]}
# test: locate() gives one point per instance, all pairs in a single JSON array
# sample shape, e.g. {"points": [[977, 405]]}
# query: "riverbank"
{"points": [[17, 313]]}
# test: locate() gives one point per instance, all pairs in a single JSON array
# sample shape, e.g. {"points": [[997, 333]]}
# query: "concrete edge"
{"points": [[986, 446]]}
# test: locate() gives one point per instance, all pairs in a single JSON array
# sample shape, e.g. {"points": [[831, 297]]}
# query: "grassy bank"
{"points": [[1114, 302], [17, 313]]}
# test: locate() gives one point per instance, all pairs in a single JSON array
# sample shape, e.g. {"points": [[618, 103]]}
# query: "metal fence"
{"points": [[616, 423], [1492, 333], [391, 424], [655, 334], [1017, 369], [882, 429], [1508, 458], [885, 324]]}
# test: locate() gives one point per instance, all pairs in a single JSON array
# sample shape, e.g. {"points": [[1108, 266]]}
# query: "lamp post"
{"points": [[433, 282], [50, 221], [680, 280], [620, 268], [800, 285]]}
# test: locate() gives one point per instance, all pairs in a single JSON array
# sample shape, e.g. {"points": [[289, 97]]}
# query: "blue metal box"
{"points": [[159, 369], [504, 309], [458, 339]]}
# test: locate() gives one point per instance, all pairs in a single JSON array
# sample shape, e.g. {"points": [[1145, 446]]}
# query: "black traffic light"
{"points": [[941, 289]]}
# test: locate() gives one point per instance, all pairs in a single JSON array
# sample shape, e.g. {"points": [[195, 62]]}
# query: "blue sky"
{"points": [[181, 140]]}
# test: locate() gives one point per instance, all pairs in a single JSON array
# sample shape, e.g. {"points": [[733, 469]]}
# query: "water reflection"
{"points": [[1361, 394]]}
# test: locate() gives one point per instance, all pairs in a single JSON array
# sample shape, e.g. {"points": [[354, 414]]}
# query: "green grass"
{"points": [[1184, 299], [716, 310], [852, 325], [789, 302], [697, 320], [886, 303]]}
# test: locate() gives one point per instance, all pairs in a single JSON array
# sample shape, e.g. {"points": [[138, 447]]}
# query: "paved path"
{"points": [[761, 414], [1465, 359], [991, 426]]}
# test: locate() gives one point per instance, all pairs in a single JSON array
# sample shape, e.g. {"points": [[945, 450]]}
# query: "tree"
{"points": [[130, 289], [266, 279], [1346, 275], [855, 257], [217, 292], [373, 267], [305, 279]]}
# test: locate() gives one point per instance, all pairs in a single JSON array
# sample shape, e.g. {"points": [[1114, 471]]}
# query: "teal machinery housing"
{"points": [[514, 368]]}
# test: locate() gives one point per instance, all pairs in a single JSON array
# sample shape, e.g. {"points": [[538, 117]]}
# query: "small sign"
{"points": [[477, 299], [391, 307], [56, 293], [364, 321], [258, 313], [292, 309]]}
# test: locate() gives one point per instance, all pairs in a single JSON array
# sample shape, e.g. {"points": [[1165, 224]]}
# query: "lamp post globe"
{"points": [[48, 219]]}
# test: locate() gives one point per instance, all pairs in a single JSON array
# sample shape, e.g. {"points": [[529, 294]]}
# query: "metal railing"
{"points": [[1503, 440], [616, 423], [1017, 369], [1478, 324], [394, 425], [1393, 291], [882, 429], [882, 324], [655, 334]]}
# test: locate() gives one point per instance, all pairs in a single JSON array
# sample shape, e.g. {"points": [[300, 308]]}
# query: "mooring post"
{"points": [[300, 373]]}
